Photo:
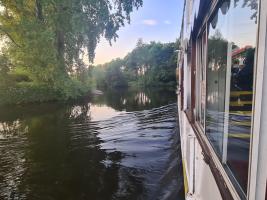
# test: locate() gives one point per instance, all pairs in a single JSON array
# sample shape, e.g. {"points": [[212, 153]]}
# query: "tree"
{"points": [[51, 37], [152, 64], [252, 4], [110, 75], [114, 76]]}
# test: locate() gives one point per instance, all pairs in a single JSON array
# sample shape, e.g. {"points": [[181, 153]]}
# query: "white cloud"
{"points": [[167, 22], [149, 22]]}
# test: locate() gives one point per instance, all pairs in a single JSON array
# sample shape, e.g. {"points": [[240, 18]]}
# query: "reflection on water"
{"points": [[142, 98], [127, 100], [12, 129], [102, 112], [113, 147]]}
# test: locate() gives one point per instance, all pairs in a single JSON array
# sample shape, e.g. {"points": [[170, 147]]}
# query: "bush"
{"points": [[26, 93], [29, 92]]}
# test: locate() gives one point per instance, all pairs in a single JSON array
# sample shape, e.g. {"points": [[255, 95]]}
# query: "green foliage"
{"points": [[26, 92], [5, 65], [152, 64], [110, 75], [217, 51], [50, 39], [99, 74]]}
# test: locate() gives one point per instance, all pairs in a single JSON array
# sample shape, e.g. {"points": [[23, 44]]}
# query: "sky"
{"points": [[157, 20]]}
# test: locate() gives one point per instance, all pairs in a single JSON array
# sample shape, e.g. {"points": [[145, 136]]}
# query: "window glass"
{"points": [[188, 75], [216, 77], [242, 35], [201, 78], [231, 52]]}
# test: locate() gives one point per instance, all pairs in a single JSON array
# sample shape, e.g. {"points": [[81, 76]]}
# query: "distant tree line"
{"points": [[147, 65]]}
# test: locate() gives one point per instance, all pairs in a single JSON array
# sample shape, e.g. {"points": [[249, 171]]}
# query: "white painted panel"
{"points": [[258, 170], [205, 185]]}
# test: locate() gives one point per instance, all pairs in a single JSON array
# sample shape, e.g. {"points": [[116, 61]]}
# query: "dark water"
{"points": [[121, 145]]}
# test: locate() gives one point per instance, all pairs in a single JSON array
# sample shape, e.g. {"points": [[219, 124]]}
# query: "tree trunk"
{"points": [[39, 10], [60, 38], [60, 47]]}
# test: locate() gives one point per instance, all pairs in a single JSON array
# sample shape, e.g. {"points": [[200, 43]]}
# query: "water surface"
{"points": [[120, 145]]}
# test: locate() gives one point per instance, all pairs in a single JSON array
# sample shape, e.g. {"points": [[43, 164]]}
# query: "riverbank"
{"points": [[39, 93], [25, 93]]}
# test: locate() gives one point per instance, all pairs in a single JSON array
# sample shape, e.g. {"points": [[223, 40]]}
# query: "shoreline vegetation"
{"points": [[46, 45], [148, 65], [44, 49]]}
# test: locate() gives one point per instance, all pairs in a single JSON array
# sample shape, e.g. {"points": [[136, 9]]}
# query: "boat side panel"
{"points": [[203, 185], [258, 172]]}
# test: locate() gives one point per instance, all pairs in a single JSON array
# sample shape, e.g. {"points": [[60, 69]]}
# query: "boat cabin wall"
{"points": [[238, 153]]}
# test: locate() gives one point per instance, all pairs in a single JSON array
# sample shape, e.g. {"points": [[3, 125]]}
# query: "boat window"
{"points": [[201, 79], [230, 65], [188, 75], [216, 79]]}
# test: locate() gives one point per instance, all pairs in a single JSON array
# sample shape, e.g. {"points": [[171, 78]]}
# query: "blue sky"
{"points": [[157, 20]]}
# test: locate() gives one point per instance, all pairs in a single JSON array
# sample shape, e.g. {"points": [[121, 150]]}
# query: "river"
{"points": [[119, 145]]}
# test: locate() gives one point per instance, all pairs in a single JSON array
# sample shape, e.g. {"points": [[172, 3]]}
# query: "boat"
{"points": [[222, 99]]}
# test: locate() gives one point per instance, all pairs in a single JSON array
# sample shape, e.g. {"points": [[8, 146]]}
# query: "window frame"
{"points": [[190, 76], [258, 160], [252, 179], [201, 63], [223, 161]]}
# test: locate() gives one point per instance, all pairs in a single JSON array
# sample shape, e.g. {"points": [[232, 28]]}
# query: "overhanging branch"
{"points": [[9, 36]]}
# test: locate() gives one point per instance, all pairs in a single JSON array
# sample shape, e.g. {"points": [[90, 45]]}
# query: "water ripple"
{"points": [[69, 155]]}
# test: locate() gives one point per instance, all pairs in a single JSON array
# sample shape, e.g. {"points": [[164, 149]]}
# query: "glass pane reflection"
{"points": [[216, 77], [243, 41], [231, 48]]}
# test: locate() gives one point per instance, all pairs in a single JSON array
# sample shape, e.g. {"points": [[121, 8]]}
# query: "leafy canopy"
{"points": [[148, 64], [52, 37]]}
